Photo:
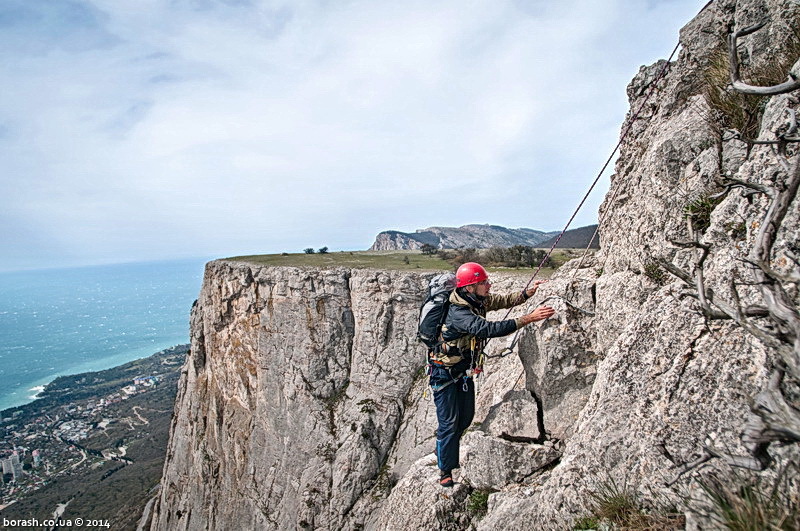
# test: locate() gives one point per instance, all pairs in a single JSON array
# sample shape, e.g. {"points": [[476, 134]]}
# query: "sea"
{"points": [[57, 322]]}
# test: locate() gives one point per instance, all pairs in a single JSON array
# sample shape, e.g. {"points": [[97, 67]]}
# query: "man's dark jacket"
{"points": [[466, 319]]}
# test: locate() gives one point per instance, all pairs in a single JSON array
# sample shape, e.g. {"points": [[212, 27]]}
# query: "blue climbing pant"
{"points": [[455, 408]]}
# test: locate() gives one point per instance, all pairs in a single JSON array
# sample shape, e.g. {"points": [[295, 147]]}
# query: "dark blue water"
{"points": [[67, 321]]}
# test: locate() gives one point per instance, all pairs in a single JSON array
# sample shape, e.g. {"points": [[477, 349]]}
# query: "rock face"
{"points": [[476, 236], [292, 398], [301, 403]]}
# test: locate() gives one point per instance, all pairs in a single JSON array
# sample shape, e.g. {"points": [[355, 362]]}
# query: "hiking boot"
{"points": [[446, 479]]}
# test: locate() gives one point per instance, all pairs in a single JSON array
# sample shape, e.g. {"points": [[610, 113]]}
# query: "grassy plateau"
{"points": [[393, 260]]}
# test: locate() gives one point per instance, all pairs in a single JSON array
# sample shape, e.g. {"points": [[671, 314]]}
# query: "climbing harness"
{"points": [[478, 356], [464, 376], [475, 370]]}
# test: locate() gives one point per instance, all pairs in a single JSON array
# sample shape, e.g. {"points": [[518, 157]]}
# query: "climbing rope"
{"points": [[650, 90]]}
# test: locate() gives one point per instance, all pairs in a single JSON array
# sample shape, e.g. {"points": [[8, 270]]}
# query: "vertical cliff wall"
{"points": [[292, 396], [301, 402]]}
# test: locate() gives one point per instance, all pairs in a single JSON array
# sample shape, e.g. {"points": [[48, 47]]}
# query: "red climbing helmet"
{"points": [[470, 273]]}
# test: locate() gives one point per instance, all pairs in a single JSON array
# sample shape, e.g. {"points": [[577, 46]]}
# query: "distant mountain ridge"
{"points": [[575, 239], [477, 236]]}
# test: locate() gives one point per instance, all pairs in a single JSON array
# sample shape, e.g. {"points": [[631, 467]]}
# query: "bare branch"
{"points": [[750, 29], [725, 311], [791, 256], [781, 307], [781, 421], [690, 244], [751, 142], [790, 277], [756, 311], [707, 295], [757, 188], [687, 467], [737, 303], [775, 215], [788, 86], [709, 452], [675, 270], [758, 462], [699, 280]]}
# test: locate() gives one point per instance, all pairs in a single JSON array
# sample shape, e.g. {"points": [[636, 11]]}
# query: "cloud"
{"points": [[150, 129], [37, 28]]}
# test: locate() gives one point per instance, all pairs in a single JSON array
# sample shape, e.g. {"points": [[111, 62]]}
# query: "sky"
{"points": [[135, 130]]}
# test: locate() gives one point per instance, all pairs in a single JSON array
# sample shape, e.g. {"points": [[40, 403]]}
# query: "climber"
{"points": [[464, 334]]}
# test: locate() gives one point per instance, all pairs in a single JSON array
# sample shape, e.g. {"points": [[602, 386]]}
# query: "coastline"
{"points": [[69, 320], [22, 392], [43, 385]]}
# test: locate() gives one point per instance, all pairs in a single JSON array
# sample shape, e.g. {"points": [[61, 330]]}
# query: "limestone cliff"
{"points": [[301, 404], [292, 397]]}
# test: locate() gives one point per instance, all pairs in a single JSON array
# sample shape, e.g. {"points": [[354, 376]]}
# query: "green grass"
{"points": [[732, 109], [557, 259], [699, 210], [478, 503], [586, 523], [620, 507], [354, 259], [654, 272], [752, 505], [392, 260]]}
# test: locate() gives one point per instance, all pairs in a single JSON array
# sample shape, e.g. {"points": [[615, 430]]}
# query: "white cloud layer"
{"points": [[144, 129]]}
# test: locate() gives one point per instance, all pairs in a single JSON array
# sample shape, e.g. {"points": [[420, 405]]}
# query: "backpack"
{"points": [[433, 311]]}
